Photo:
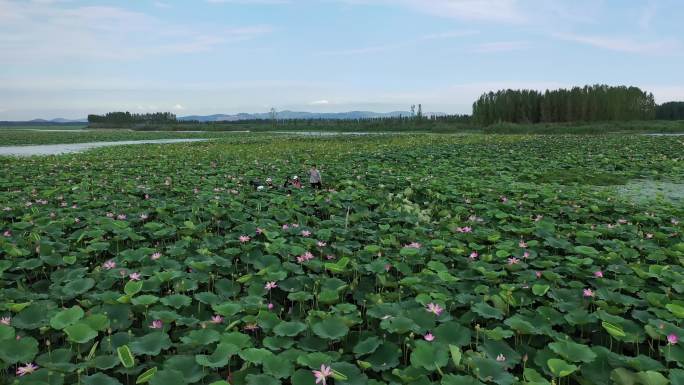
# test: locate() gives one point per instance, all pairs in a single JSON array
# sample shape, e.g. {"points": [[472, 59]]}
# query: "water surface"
{"points": [[55, 149]]}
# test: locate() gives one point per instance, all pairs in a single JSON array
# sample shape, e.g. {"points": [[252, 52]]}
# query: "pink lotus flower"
{"points": [[259, 231], [649, 235], [134, 276], [28, 368], [109, 265], [270, 306], [466, 229], [217, 319], [501, 358], [286, 226], [305, 257], [526, 254], [305, 233], [538, 274], [388, 267], [598, 274], [522, 244], [622, 221], [429, 337], [7, 233], [295, 225], [513, 261], [329, 257], [144, 217], [244, 238], [156, 324], [321, 244], [121, 217], [414, 245], [110, 215], [76, 220], [504, 199], [322, 374], [588, 293], [147, 196], [6, 321], [473, 256], [155, 256], [434, 308], [270, 285], [672, 339]]}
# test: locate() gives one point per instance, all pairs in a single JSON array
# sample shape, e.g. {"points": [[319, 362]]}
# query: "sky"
{"points": [[69, 58]]}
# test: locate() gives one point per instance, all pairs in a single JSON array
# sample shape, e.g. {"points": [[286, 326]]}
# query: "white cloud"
{"points": [[248, 2], [319, 102], [508, 11], [502, 46], [397, 45], [625, 44], [49, 31], [178, 107]]}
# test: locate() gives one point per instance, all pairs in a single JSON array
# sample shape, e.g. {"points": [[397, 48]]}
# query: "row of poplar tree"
{"points": [[588, 104], [126, 119]]}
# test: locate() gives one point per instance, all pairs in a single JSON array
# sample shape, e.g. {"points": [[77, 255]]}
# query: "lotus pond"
{"points": [[427, 259]]}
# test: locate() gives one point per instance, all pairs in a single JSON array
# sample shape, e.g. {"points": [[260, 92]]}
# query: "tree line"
{"points": [[579, 104], [126, 119], [670, 111]]}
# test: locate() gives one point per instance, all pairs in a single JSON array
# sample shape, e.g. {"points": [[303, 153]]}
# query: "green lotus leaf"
{"points": [[167, 377], [330, 328], [100, 379], [125, 356], [429, 356], [261, 379], [66, 317], [560, 368], [289, 329], [133, 287], [151, 344], [652, 378], [219, 358], [255, 355], [614, 330], [146, 376], [176, 301], [277, 366], [572, 351], [227, 309], [16, 351], [201, 337], [186, 364], [144, 300], [367, 346], [80, 332]]}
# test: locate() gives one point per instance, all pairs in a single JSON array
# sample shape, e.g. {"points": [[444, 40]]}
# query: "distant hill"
{"points": [[302, 115], [246, 116]]}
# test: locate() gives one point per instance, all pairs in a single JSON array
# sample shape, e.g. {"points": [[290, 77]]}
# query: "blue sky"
{"points": [[68, 58]]}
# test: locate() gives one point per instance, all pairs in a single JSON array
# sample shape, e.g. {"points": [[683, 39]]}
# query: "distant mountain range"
{"points": [[256, 116], [302, 115]]}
